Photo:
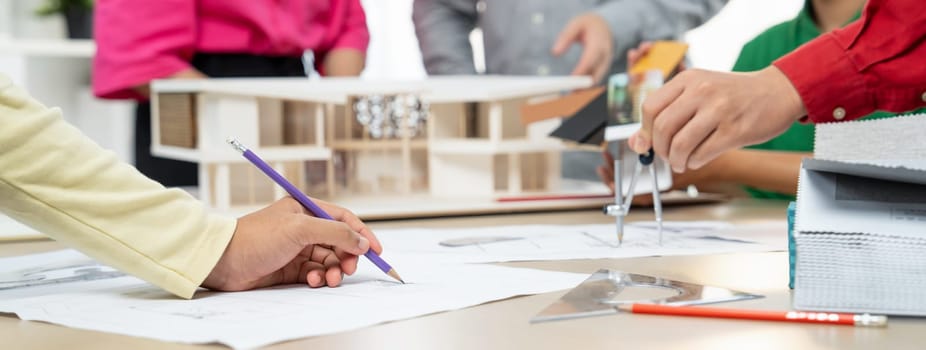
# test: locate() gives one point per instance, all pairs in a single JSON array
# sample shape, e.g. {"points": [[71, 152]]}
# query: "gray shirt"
{"points": [[519, 34]]}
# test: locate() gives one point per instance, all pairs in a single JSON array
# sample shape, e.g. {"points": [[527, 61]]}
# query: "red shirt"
{"points": [[875, 63], [141, 40]]}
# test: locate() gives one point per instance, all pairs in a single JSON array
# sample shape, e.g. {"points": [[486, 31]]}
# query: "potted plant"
{"points": [[77, 13]]}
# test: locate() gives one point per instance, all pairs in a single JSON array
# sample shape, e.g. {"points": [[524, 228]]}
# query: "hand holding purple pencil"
{"points": [[309, 205], [283, 244]]}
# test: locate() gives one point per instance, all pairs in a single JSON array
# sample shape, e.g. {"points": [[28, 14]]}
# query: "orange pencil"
{"points": [[864, 320]]}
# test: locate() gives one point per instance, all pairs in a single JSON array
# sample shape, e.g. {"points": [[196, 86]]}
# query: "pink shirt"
{"points": [[141, 40]]}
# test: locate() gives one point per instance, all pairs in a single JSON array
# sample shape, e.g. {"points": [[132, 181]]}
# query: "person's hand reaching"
{"points": [[592, 32], [700, 114]]}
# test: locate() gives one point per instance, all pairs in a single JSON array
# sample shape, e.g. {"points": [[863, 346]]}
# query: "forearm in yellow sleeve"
{"points": [[58, 181]]}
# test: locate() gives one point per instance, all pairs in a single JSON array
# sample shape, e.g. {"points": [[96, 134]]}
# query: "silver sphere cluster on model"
{"points": [[391, 116]]}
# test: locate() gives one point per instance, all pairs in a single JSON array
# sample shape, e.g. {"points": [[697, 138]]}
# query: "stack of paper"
{"points": [[861, 222]]}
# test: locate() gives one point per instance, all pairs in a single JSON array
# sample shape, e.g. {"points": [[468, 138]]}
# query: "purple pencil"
{"points": [[306, 202]]}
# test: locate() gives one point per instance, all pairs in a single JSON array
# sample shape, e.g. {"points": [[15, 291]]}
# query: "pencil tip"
{"points": [[395, 275], [236, 144]]}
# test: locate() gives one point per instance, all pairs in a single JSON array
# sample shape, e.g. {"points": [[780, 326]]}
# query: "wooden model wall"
{"points": [[290, 136], [480, 149]]}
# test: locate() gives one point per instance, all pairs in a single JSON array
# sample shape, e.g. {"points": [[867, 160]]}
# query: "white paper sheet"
{"points": [[98, 298], [555, 242]]}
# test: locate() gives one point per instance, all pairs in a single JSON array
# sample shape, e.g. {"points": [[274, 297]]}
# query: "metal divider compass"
{"points": [[621, 205]]}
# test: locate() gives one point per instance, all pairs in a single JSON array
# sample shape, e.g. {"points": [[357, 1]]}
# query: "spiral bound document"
{"points": [[860, 225]]}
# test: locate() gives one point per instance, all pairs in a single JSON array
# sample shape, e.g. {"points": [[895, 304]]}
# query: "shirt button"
{"points": [[537, 18], [543, 70], [839, 113], [481, 6], [923, 97]]}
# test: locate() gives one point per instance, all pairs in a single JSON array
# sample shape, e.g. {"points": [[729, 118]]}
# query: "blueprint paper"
{"points": [[70, 289], [80, 293], [564, 242]]}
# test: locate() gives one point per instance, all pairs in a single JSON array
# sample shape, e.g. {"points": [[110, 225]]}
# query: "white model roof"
{"points": [[439, 89]]}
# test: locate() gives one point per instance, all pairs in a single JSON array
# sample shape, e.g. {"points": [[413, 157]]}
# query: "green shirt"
{"points": [[760, 53]]}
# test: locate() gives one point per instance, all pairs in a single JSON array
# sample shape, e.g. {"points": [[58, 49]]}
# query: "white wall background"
{"points": [[58, 77], [716, 44]]}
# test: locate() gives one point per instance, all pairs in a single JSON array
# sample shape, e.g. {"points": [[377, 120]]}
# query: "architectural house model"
{"points": [[442, 145]]}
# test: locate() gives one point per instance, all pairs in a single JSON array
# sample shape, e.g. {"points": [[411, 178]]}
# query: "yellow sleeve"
{"points": [[60, 182]]}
